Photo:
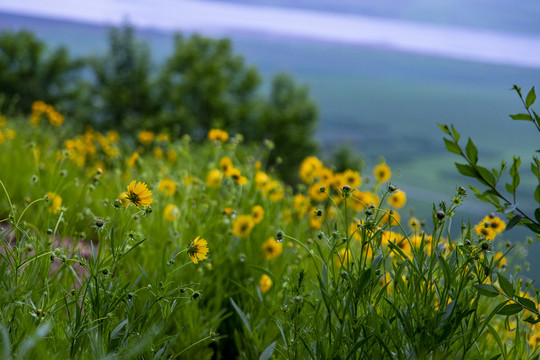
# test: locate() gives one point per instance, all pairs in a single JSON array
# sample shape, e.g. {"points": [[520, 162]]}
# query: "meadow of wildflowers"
{"points": [[181, 250]]}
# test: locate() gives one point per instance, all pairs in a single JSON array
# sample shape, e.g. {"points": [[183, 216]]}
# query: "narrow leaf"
{"points": [[510, 309], [531, 97], [466, 170], [513, 222], [525, 117]]}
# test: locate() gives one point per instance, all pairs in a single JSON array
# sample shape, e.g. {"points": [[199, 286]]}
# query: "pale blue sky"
{"points": [[463, 43]]}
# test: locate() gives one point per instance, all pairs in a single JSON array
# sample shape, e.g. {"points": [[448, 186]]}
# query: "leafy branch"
{"points": [[491, 178]]}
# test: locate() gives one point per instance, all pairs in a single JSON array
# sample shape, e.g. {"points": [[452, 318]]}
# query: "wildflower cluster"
{"points": [[40, 108]]}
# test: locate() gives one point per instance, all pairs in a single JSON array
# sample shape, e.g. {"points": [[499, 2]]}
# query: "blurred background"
{"points": [[368, 80]]}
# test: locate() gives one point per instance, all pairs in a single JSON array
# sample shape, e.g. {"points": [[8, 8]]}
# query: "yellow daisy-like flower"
{"points": [[309, 169], [265, 283], [272, 248], [218, 135], [158, 153], [138, 194], [352, 178], [257, 213], [213, 179], [167, 187], [171, 156], [397, 199], [133, 159], [273, 190], [300, 205], [315, 192], [113, 136], [484, 229], [146, 137], [171, 212], [225, 164], [56, 202], [261, 178], [382, 173], [414, 224], [495, 223], [391, 217], [197, 249], [243, 225]]}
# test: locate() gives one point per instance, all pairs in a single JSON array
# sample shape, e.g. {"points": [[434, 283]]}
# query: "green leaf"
{"points": [[534, 227], [531, 97], [487, 290], [513, 222], [452, 146], [445, 128], [466, 170], [528, 303], [510, 309], [532, 320], [487, 176], [471, 151], [455, 133], [242, 316], [267, 353], [495, 357], [525, 117], [537, 214], [506, 286], [537, 194]]}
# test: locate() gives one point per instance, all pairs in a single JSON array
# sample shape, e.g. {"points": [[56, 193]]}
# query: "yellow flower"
{"points": [[133, 159], [315, 222], [55, 118], [243, 225], [309, 169], [158, 153], [390, 217], [167, 186], [197, 249], [300, 205], [484, 229], [213, 179], [257, 213], [261, 178], [272, 248], [343, 257], [315, 192], [228, 211], [495, 223], [226, 163], [138, 194], [56, 202], [113, 136], [218, 135], [397, 199], [273, 190], [171, 212], [146, 137], [265, 283], [414, 224], [352, 178], [382, 173], [171, 156], [500, 260]]}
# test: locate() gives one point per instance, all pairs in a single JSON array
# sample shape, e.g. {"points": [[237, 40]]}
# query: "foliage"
{"points": [[95, 266], [503, 201], [30, 73], [121, 88]]}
